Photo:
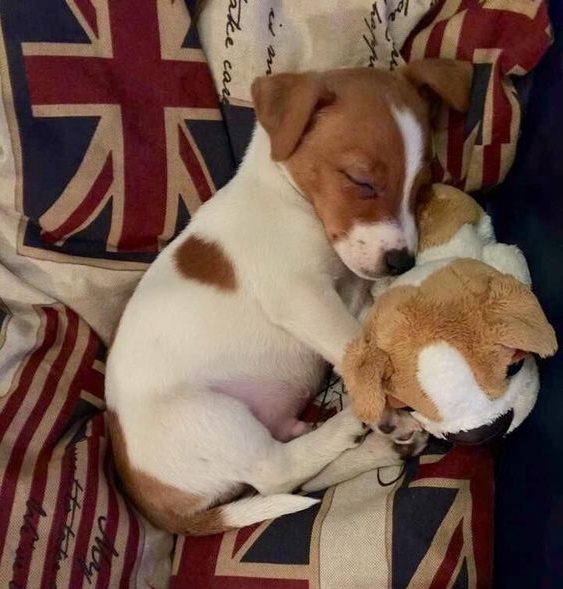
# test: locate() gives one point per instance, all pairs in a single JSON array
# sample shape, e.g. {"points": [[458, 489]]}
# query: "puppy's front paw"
{"points": [[404, 433], [412, 445], [348, 430]]}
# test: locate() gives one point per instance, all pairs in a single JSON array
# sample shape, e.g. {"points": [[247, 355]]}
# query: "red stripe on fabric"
{"points": [[502, 112], [16, 398], [87, 206], [447, 568], [60, 515], [426, 21], [94, 383], [132, 547], [459, 463], [39, 479], [243, 535], [246, 583], [198, 561], [55, 552], [88, 512], [55, 79], [19, 448], [434, 43], [482, 496], [89, 13], [111, 527]]}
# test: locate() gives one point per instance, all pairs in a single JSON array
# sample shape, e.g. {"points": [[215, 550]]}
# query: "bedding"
{"points": [[114, 128]]}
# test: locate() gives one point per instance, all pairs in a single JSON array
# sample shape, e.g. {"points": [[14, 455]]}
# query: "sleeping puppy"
{"points": [[230, 330]]}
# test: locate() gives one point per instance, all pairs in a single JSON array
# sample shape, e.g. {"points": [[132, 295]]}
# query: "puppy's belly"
{"points": [[275, 403]]}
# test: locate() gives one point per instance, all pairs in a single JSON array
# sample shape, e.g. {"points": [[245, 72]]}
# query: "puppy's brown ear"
{"points": [[364, 370], [284, 104], [449, 79], [517, 320]]}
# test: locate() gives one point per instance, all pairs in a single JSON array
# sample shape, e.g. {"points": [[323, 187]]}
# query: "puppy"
{"points": [[229, 332]]}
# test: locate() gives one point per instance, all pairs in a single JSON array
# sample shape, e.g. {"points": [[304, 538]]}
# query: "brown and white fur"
{"points": [[229, 332]]}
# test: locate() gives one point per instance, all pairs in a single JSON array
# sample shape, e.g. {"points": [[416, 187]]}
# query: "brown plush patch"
{"points": [[206, 262], [442, 210], [485, 315], [164, 506]]}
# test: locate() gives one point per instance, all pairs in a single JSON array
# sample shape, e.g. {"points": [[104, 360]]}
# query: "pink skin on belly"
{"points": [[276, 404]]}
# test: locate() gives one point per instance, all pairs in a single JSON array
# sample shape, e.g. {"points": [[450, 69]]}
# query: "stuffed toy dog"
{"points": [[453, 339]]}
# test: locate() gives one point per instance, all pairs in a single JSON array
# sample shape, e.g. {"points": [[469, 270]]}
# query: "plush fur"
{"points": [[441, 339]]}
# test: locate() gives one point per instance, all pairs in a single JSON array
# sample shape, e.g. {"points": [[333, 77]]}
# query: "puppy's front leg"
{"points": [[315, 314], [373, 452]]}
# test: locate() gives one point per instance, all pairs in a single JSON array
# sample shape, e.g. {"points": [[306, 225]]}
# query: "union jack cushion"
{"points": [[113, 130], [504, 39]]}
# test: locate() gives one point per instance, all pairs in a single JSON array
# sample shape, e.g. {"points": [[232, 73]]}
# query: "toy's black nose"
{"points": [[399, 261], [485, 433]]}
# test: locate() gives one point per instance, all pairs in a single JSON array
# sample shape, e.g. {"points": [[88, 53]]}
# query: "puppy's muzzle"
{"points": [[484, 434]]}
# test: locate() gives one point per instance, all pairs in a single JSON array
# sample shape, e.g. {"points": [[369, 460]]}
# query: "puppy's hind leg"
{"points": [[284, 467]]}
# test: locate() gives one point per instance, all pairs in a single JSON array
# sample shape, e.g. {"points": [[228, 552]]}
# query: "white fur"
{"points": [[447, 379], [413, 140], [419, 274], [184, 349], [363, 248], [479, 243]]}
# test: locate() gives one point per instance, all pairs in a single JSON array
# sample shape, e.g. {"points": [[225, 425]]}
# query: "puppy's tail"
{"points": [[243, 512]]}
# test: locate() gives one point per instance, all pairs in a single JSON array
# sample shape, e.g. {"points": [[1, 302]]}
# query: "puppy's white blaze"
{"points": [[364, 246], [448, 380], [413, 141]]}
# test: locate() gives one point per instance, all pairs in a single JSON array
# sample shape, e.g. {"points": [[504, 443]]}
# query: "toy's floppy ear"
{"points": [[284, 105], [517, 318], [364, 370], [449, 79]]}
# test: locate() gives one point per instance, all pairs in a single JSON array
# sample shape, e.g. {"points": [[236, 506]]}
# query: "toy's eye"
{"points": [[514, 368]]}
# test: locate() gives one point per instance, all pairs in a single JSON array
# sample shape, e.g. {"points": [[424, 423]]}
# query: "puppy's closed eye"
{"points": [[363, 184]]}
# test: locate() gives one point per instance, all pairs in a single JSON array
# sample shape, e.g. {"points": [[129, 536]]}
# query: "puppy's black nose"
{"points": [[399, 261], [484, 434]]}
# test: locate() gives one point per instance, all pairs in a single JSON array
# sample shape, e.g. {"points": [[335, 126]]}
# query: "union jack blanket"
{"points": [[113, 130]]}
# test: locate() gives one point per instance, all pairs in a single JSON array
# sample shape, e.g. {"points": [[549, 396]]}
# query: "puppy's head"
{"points": [[456, 348], [356, 143]]}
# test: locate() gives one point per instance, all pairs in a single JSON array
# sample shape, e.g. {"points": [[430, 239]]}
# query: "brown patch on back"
{"points": [[164, 506], [206, 262], [441, 212]]}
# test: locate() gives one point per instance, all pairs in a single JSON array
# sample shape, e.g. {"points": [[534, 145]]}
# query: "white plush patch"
{"points": [[507, 259], [465, 243], [485, 229], [364, 246], [413, 140], [448, 380], [417, 275]]}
